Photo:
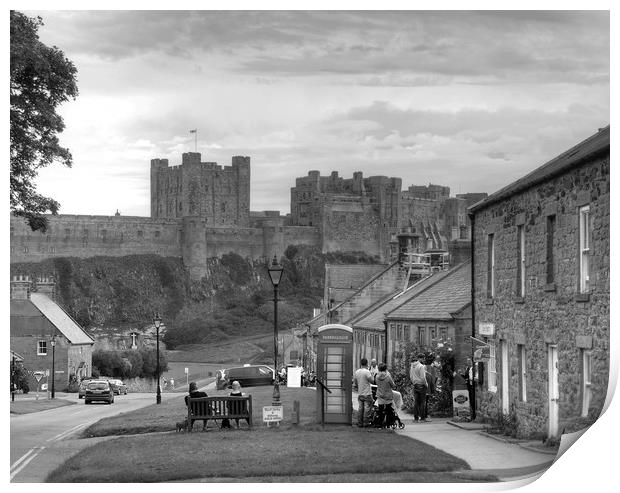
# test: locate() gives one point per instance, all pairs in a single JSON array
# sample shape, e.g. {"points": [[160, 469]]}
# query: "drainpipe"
{"points": [[385, 344], [473, 314]]}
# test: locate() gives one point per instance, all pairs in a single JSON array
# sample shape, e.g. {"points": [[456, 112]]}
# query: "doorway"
{"points": [[554, 392], [505, 379]]}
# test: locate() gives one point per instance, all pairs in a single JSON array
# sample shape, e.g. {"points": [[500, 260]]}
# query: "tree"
{"points": [[41, 79]]}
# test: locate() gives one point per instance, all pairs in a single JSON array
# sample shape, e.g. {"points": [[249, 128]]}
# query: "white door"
{"points": [[505, 379], [554, 394]]}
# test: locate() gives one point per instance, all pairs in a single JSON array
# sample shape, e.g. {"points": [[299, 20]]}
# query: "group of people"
{"points": [[363, 381], [365, 378]]}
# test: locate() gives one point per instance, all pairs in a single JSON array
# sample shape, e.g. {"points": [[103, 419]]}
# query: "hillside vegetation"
{"points": [[234, 299]]}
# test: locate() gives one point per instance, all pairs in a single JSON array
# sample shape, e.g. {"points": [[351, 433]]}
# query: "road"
{"points": [[42, 441]]}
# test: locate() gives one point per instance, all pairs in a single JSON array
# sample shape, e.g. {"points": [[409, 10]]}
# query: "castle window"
{"points": [[180, 206], [12, 231], [140, 234], [25, 249], [12, 249], [41, 348], [584, 249], [85, 233], [223, 207], [52, 249], [157, 234], [48, 238], [67, 232], [104, 234]]}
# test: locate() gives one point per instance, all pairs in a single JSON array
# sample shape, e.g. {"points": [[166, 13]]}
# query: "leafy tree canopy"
{"points": [[41, 79]]}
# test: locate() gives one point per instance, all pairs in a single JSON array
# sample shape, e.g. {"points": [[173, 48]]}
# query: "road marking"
{"points": [[15, 469], [66, 433]]}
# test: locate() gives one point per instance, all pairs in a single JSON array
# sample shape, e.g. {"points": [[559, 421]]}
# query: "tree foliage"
{"points": [[42, 78], [128, 364]]}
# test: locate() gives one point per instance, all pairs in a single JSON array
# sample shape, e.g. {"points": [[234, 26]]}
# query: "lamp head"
{"points": [[157, 321], [275, 271]]}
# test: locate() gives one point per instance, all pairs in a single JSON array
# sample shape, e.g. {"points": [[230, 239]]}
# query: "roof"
{"points": [[60, 319], [575, 156], [16, 356], [451, 294], [373, 317]]}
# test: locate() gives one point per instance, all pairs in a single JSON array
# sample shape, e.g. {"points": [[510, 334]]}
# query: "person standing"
{"points": [[385, 398], [468, 375], [417, 374], [373, 369], [431, 380], [361, 384]]}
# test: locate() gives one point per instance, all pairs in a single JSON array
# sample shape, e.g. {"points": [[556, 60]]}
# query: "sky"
{"points": [[468, 99]]}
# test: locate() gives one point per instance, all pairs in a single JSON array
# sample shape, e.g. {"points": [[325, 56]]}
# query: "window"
{"points": [[157, 234], [550, 260], [104, 234], [490, 267], [25, 249], [522, 366], [586, 384], [67, 232], [421, 336], [444, 333], [520, 261], [584, 249], [406, 332], [492, 370], [41, 348], [140, 234]]}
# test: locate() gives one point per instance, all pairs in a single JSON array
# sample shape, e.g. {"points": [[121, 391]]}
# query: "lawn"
{"points": [[335, 453], [260, 453], [27, 406]]}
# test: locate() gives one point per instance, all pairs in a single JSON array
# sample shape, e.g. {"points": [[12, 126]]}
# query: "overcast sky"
{"points": [[471, 100]]}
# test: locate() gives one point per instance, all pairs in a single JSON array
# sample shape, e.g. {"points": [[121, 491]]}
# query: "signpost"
{"points": [[187, 375], [273, 414], [38, 375]]}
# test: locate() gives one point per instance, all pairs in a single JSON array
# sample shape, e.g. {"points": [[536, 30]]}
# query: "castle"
{"points": [[201, 210]]}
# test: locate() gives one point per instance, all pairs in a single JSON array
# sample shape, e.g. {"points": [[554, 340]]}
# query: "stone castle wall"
{"points": [[88, 236], [549, 313]]}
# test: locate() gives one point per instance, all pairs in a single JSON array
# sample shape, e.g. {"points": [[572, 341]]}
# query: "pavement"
{"points": [[484, 454]]}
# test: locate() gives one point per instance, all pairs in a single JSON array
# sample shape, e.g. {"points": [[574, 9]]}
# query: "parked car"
{"points": [[99, 390], [247, 376], [118, 386], [82, 388]]}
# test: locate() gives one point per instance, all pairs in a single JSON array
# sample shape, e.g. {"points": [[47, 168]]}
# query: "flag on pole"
{"points": [[193, 131]]}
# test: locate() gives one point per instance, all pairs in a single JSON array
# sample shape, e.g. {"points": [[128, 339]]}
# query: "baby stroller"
{"points": [[392, 420]]}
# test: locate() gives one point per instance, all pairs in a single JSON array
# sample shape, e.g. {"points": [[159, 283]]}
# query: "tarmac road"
{"points": [[42, 441]]}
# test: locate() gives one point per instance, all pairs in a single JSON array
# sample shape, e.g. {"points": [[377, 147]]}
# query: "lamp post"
{"points": [[275, 274], [53, 362], [157, 323]]}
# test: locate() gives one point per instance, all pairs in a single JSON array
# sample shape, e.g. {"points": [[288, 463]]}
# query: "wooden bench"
{"points": [[216, 408]]}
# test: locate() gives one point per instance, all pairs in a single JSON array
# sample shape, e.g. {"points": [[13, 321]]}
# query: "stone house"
{"points": [[437, 307], [37, 322], [541, 293]]}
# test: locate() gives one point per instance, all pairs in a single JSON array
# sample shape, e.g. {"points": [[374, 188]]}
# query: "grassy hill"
{"points": [[234, 300]]}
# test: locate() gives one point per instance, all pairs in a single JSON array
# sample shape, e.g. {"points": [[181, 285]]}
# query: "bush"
{"points": [[128, 364]]}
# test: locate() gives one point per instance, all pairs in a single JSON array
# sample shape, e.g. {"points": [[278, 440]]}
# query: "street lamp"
{"points": [[53, 361], [275, 274], [157, 323]]}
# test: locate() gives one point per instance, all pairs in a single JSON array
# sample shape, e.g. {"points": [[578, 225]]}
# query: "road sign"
{"points": [[47, 373], [43, 386], [186, 370], [273, 414], [38, 375]]}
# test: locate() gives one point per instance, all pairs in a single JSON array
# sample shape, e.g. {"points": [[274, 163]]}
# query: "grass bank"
{"points": [[260, 453], [27, 406]]}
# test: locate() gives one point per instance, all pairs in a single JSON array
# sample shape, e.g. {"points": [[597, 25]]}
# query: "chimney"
{"points": [[20, 287], [45, 285]]}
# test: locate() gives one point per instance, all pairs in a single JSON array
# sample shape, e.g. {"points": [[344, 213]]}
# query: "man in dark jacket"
{"points": [[194, 393]]}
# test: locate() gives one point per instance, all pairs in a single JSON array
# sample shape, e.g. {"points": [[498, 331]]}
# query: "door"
{"points": [[554, 391], [334, 372], [505, 379]]}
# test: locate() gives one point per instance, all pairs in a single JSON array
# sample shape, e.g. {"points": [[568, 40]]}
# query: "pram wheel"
{"points": [[401, 426], [394, 425]]}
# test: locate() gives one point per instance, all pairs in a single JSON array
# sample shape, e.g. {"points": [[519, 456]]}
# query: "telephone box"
{"points": [[335, 371]]}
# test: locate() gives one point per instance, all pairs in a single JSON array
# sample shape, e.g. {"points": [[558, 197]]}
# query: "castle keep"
{"points": [[201, 210]]}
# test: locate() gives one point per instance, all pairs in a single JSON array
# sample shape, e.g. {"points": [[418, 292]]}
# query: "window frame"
{"points": [[41, 347], [550, 259], [521, 354], [584, 248], [586, 381], [492, 369], [521, 261], [491, 265]]}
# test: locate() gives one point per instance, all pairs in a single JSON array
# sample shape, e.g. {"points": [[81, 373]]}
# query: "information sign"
{"points": [[460, 404], [273, 414], [486, 329], [38, 375], [293, 377], [186, 370]]}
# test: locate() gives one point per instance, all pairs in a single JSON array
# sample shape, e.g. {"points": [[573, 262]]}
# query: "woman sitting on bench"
{"points": [[236, 392]]}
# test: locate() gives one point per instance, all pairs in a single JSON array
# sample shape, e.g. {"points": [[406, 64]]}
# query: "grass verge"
{"points": [[34, 405], [258, 453]]}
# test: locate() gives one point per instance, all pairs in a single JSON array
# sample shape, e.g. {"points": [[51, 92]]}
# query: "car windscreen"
{"points": [[98, 386]]}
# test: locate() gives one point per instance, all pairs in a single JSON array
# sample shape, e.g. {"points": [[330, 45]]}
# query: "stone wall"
{"points": [[89, 236], [549, 313]]}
